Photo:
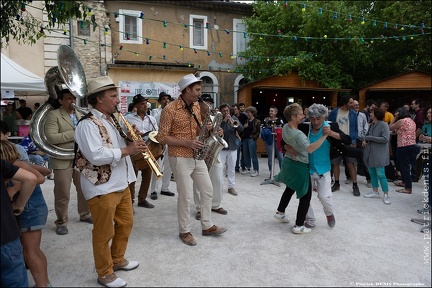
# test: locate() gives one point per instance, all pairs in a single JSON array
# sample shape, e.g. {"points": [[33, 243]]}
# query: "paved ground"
{"points": [[372, 244]]}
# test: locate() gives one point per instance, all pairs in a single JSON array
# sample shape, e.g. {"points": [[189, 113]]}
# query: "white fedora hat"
{"points": [[187, 80], [100, 84]]}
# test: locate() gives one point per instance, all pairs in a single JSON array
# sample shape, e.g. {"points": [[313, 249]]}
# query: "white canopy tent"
{"points": [[20, 80]]}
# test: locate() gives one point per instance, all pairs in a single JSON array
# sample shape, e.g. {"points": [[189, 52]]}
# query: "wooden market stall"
{"points": [[398, 90], [280, 91]]}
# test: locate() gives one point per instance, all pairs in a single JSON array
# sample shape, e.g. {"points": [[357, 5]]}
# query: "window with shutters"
{"points": [[198, 31], [130, 27], [240, 40]]}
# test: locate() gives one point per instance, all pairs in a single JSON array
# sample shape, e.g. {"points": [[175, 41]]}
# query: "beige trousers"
{"points": [[217, 180], [62, 185], [189, 172]]}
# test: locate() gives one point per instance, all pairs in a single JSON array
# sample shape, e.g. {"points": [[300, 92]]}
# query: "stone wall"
{"points": [[96, 52]]}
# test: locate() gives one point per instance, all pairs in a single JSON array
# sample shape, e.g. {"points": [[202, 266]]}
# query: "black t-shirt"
{"points": [[25, 112], [367, 115], [243, 118], [9, 226]]}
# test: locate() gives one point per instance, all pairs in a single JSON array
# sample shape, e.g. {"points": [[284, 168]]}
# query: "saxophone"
{"points": [[199, 154], [213, 144], [143, 159]]}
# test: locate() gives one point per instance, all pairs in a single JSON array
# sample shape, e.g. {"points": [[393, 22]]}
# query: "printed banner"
{"points": [[150, 90]]}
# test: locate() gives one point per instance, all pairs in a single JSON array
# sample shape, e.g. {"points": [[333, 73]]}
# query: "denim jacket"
{"points": [[353, 124]]}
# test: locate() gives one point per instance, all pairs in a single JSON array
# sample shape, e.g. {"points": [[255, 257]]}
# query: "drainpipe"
{"points": [[71, 32], [71, 43]]}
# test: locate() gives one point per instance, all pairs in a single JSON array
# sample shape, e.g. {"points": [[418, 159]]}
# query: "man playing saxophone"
{"points": [[144, 123], [106, 171], [216, 173], [180, 124]]}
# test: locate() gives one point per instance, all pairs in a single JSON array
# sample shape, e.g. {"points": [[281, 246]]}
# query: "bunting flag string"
{"points": [[238, 69], [334, 14], [240, 56]]}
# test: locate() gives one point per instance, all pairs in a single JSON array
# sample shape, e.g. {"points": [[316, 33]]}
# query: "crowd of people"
{"points": [[309, 144]]}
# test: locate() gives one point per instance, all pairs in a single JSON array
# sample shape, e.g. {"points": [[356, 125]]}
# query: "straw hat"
{"points": [[100, 84]]}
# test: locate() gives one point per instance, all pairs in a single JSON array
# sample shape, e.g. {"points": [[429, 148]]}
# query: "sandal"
{"points": [[399, 183], [404, 190]]}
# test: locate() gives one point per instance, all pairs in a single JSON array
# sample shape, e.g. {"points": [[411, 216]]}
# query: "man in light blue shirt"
{"points": [[320, 164]]}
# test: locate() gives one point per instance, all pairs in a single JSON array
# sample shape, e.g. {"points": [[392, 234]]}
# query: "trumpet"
{"points": [[234, 123], [141, 160]]}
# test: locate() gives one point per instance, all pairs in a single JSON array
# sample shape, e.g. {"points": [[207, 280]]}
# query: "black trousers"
{"points": [[303, 204]]}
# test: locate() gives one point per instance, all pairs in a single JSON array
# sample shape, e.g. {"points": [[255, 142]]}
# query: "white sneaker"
{"points": [[372, 194], [301, 229], [51, 176], [348, 181], [386, 199], [254, 174], [281, 217], [244, 171]]}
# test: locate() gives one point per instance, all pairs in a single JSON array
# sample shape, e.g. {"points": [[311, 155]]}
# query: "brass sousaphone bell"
{"points": [[69, 74]]}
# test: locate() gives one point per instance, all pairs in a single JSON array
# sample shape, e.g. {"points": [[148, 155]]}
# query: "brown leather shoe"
{"points": [[232, 191], [125, 265], [187, 239], [220, 211], [213, 231], [111, 280], [145, 204], [88, 220]]}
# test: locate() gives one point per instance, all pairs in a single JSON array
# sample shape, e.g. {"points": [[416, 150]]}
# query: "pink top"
{"points": [[406, 133]]}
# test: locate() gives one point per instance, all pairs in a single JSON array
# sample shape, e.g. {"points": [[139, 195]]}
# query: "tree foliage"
{"points": [[338, 50], [18, 24]]}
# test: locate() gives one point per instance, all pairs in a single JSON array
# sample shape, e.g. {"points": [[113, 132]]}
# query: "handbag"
{"points": [[350, 151], [266, 135]]}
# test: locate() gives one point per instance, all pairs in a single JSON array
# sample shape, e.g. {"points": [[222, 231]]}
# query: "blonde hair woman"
{"points": [[33, 219]]}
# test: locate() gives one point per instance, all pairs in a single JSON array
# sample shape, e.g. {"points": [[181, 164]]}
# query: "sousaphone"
{"points": [[69, 74]]}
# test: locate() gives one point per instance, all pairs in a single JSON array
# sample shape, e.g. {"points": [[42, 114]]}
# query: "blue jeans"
{"points": [[278, 154], [40, 160], [239, 163], [378, 174], [13, 271], [249, 152]]}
